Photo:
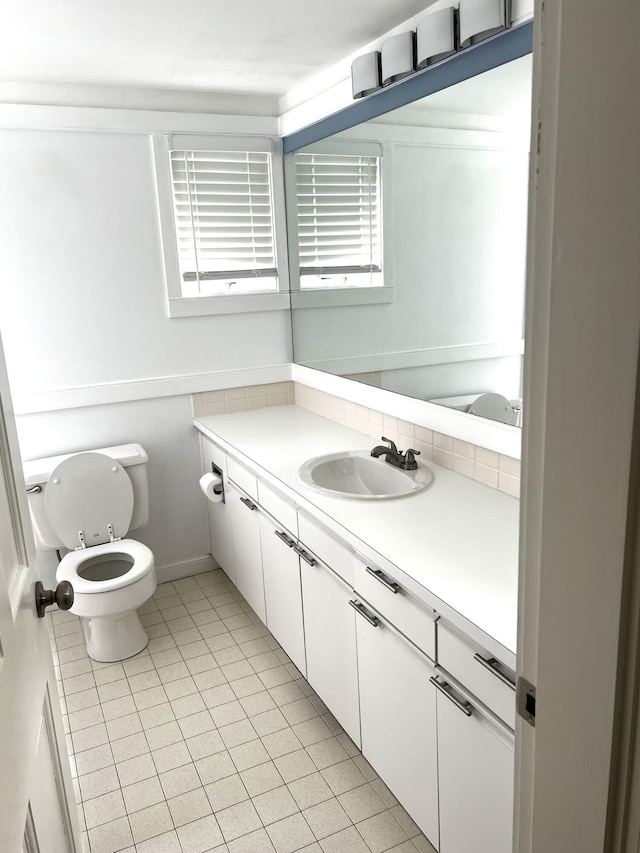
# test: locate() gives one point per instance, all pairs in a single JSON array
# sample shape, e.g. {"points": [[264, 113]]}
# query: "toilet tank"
{"points": [[133, 459]]}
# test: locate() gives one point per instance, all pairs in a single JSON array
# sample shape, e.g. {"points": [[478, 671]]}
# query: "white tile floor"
{"points": [[210, 740]]}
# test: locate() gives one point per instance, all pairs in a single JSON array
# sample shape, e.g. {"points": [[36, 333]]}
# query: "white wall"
{"points": [[82, 303], [83, 295]]}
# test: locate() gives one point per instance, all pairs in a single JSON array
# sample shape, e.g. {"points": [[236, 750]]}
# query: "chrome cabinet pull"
{"points": [[490, 664], [447, 690], [305, 555], [282, 535], [359, 608], [249, 503], [392, 586]]}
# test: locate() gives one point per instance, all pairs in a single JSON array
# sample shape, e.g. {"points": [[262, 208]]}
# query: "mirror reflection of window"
{"points": [[338, 219]]}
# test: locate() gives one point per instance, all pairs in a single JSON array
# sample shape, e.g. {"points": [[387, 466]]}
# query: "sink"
{"points": [[356, 474]]}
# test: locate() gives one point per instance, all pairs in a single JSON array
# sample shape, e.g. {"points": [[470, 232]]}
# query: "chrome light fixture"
{"points": [[480, 19], [436, 36], [365, 74], [398, 57]]}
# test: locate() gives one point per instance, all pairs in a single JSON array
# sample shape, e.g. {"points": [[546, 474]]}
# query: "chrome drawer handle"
{"points": [[249, 503], [447, 690], [490, 664], [359, 608], [282, 535], [392, 586], [305, 556]]}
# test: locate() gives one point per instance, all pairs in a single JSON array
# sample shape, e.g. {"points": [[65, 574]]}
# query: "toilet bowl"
{"points": [[87, 505], [110, 582]]}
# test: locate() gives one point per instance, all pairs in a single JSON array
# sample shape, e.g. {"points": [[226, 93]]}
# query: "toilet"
{"points": [[87, 502]]}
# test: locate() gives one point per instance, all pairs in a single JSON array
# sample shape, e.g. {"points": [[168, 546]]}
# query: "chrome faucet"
{"points": [[396, 457]]}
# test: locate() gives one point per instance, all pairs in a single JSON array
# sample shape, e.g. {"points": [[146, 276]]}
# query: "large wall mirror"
{"points": [[407, 244]]}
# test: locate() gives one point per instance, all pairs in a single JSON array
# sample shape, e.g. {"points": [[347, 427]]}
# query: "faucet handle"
{"points": [[410, 455], [391, 444]]}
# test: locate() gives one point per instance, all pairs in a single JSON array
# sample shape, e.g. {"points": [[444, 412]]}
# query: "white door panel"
{"points": [[35, 784]]}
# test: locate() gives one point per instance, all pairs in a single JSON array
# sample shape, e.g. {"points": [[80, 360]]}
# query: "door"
{"points": [[475, 763], [330, 636], [37, 810], [220, 535], [282, 590], [398, 719], [245, 523]]}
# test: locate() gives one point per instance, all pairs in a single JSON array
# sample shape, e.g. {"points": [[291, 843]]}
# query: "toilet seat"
{"points": [[73, 563]]}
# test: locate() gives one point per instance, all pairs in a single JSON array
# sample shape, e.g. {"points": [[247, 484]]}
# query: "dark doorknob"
{"points": [[62, 595]]}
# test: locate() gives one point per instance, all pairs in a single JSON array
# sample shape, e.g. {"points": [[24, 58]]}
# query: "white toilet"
{"points": [[87, 502]]}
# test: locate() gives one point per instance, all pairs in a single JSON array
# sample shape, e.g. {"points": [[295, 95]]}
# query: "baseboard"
{"points": [[185, 569]]}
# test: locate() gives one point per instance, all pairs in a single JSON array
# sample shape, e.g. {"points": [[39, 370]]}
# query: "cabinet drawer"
{"points": [[480, 673], [332, 552], [400, 608], [278, 507], [243, 477]]}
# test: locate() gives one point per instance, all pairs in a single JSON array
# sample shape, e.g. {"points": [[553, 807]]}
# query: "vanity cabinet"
{"points": [[476, 769], [220, 535], [282, 589], [244, 515], [432, 711], [398, 717]]}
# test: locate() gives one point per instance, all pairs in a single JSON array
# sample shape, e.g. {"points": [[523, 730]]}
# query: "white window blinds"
{"points": [[338, 217], [224, 221]]}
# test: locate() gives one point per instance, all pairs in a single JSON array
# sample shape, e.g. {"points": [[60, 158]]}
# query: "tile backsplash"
{"points": [[242, 399], [494, 469]]}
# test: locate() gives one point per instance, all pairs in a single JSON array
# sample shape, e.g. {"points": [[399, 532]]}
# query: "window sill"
{"points": [[336, 297], [201, 306]]}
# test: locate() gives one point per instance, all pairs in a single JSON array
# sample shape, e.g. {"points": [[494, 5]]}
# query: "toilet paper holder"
{"points": [[219, 490]]}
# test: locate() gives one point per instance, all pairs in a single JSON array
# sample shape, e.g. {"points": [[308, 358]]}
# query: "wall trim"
{"points": [[79, 396], [31, 117], [185, 569], [418, 358]]}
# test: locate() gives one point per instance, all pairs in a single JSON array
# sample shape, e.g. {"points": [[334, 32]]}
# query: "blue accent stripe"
{"points": [[504, 47]]}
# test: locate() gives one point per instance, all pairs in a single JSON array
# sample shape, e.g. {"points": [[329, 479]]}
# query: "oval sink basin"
{"points": [[357, 474]]}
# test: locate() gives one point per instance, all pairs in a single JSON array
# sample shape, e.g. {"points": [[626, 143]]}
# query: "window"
{"points": [[224, 221], [216, 198], [338, 220]]}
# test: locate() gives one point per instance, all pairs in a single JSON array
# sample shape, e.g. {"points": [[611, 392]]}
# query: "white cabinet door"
{"points": [[245, 523], [476, 783], [220, 535], [282, 590], [330, 637], [398, 719]]}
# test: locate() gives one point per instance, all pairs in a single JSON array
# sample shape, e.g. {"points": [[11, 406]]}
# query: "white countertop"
{"points": [[457, 540]]}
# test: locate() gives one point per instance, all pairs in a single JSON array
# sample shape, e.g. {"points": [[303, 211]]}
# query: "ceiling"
{"points": [[248, 46]]}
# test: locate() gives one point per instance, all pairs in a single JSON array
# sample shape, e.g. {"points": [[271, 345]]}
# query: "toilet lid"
{"points": [[87, 492]]}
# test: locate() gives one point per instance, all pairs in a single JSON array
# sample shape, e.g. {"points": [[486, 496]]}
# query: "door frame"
{"points": [[580, 442]]}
